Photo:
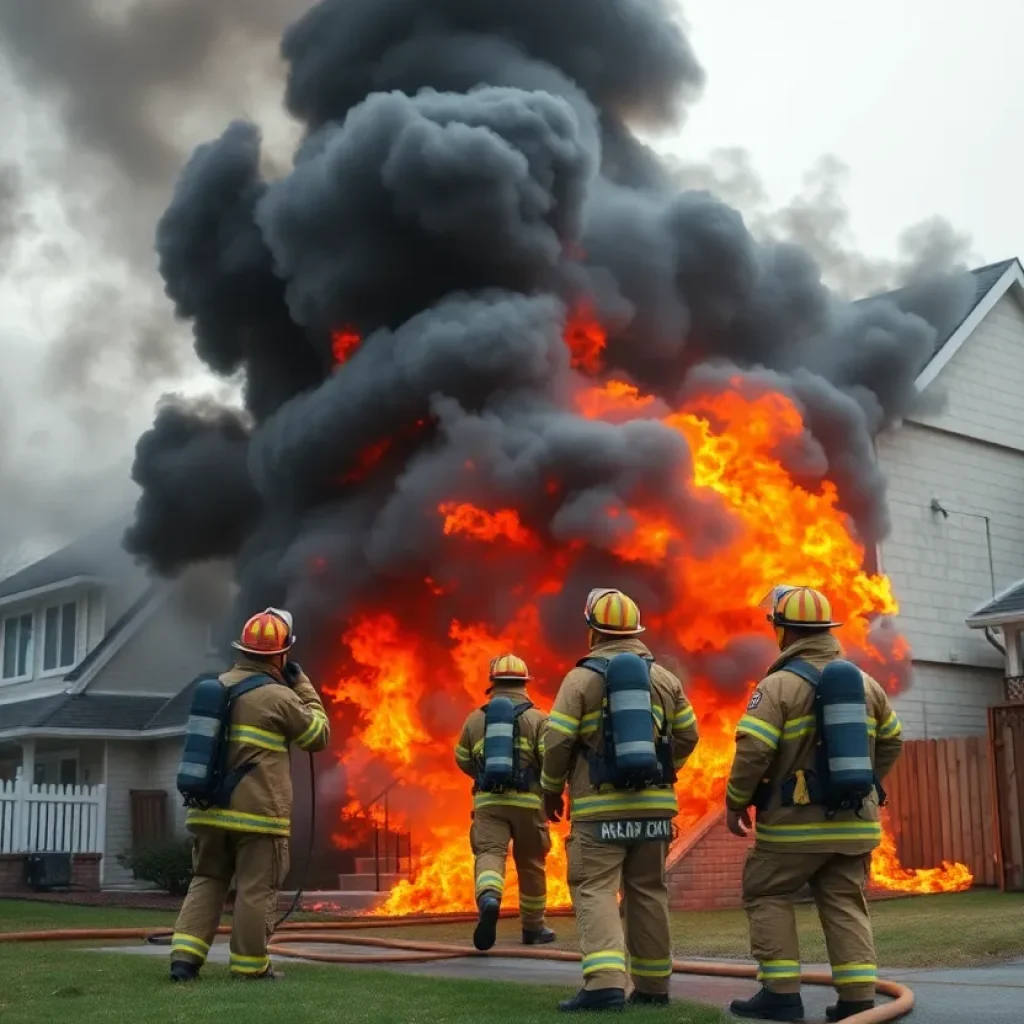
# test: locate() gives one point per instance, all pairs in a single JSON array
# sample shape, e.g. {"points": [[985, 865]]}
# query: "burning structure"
{"points": [[494, 357]]}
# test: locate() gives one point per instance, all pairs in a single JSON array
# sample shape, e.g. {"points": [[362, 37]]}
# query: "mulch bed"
{"points": [[130, 900]]}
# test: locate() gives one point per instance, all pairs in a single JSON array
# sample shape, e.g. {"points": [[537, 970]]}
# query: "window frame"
{"points": [[30, 654], [55, 758], [59, 670]]}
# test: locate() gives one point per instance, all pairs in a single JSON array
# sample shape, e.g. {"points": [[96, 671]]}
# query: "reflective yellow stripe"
{"points": [[590, 723], [605, 960], [820, 831], [249, 964], [489, 880], [564, 724], [660, 801], [736, 796], [462, 755], [238, 821], [762, 731], [258, 738], [778, 970], [532, 902], [649, 968], [659, 714], [314, 731], [854, 974], [797, 727], [529, 800], [891, 728], [180, 942], [684, 719], [550, 784], [478, 747]]}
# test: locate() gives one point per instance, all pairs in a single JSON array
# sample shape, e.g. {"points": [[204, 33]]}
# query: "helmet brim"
{"points": [[804, 625], [618, 632], [510, 679], [252, 650]]}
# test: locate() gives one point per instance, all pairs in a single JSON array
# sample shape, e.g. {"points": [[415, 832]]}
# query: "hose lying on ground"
{"points": [[413, 951]]}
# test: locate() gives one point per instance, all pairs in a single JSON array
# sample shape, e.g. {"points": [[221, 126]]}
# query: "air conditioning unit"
{"points": [[45, 871]]}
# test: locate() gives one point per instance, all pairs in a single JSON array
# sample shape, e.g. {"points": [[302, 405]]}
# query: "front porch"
{"points": [[1004, 614]]}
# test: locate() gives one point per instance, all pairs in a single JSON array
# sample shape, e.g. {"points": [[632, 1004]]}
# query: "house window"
{"points": [[57, 768], [17, 645], [60, 635]]}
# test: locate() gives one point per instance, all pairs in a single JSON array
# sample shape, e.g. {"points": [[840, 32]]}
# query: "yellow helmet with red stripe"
{"points": [[611, 611], [800, 608], [509, 668], [269, 632]]}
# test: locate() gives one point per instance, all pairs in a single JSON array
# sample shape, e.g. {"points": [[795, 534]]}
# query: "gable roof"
{"points": [[97, 554], [1000, 610], [991, 283], [80, 712]]}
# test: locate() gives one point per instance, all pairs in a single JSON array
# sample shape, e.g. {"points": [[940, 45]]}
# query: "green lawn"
{"points": [[44, 983]]}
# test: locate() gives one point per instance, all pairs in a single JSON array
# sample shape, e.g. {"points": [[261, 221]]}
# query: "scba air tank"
{"points": [[628, 686], [499, 745]]}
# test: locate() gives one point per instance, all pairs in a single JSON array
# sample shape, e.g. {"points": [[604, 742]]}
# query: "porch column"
{"points": [[28, 761], [1014, 686]]}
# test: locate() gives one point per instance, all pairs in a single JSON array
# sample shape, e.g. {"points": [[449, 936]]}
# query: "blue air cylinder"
{"points": [[499, 743], [628, 684], [199, 759], [844, 727]]}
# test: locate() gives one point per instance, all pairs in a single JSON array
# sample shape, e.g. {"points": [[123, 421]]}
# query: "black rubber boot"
{"points": [[648, 999], [595, 1001], [768, 1005], [538, 938], [844, 1009], [183, 970], [486, 930]]}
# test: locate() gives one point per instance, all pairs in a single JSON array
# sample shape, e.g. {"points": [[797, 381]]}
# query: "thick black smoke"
{"points": [[468, 179]]}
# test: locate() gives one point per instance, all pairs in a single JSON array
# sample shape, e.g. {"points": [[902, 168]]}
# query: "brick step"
{"points": [[336, 899], [388, 865], [367, 882]]}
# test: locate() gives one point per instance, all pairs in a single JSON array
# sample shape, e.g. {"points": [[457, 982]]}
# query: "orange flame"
{"points": [[402, 698], [888, 873]]}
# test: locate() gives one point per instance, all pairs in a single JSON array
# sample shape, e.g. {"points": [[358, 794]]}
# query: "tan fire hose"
{"points": [[412, 951]]}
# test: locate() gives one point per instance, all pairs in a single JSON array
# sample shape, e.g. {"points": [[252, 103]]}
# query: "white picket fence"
{"points": [[52, 819]]}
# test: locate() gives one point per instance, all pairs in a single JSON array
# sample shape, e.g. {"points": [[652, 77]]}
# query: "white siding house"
{"points": [[956, 494]]}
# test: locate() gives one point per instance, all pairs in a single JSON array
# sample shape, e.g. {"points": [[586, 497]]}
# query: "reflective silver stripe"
{"points": [[846, 714], [196, 771], [498, 729], [636, 747], [630, 700], [849, 764], [495, 762], [201, 725]]}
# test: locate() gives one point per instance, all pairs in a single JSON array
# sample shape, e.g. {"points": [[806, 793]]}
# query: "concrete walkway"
{"points": [[982, 995]]}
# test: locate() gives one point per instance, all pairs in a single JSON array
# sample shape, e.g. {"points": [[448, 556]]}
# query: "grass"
{"points": [[949, 930], [54, 983]]}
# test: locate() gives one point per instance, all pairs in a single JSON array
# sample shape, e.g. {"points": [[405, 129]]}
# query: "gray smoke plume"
{"points": [[469, 182]]}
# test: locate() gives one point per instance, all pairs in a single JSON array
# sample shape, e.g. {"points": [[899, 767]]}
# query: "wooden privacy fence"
{"points": [[941, 806], [51, 819], [1006, 729], [149, 815]]}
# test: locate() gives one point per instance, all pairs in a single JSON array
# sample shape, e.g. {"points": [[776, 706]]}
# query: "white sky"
{"points": [[920, 100]]}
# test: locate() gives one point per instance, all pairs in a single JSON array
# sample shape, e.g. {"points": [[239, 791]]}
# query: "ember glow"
{"points": [[391, 697]]}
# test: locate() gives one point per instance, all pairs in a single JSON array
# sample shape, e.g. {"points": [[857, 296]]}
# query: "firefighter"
{"points": [[783, 765], [503, 757], [248, 840], [620, 835]]}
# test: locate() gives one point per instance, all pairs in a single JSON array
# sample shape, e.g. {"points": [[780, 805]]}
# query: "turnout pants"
{"points": [[770, 881], [258, 864], [597, 872], [493, 829]]}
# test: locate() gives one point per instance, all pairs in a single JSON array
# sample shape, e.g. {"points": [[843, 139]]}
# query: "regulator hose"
{"points": [[413, 951]]}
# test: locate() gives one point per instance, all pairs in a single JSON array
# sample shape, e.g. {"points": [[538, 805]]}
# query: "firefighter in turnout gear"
{"points": [[500, 749], [248, 839], [619, 731], [812, 750]]}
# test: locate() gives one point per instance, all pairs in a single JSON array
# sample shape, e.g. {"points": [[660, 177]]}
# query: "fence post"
{"points": [[20, 815], [101, 829]]}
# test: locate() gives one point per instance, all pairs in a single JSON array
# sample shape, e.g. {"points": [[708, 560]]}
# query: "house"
{"points": [[956, 498], [94, 658]]}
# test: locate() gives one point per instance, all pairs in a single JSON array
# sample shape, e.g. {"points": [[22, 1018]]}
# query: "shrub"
{"points": [[166, 863]]}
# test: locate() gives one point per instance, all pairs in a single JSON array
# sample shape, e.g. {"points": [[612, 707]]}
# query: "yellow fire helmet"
{"points": [[798, 607], [509, 669], [611, 611]]}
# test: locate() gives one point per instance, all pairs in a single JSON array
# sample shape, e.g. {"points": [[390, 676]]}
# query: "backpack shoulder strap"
{"points": [[804, 669], [598, 665], [521, 709], [247, 685]]}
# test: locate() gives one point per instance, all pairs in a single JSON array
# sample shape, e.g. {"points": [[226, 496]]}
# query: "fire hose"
{"points": [[411, 951]]}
